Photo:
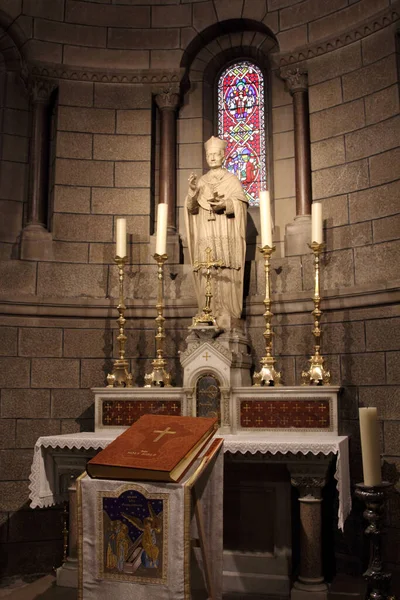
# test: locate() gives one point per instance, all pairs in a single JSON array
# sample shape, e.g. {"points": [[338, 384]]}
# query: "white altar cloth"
{"points": [[43, 473]]}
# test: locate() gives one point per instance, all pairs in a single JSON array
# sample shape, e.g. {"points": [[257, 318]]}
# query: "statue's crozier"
{"points": [[216, 214]]}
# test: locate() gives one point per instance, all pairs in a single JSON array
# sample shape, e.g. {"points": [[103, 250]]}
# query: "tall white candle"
{"points": [[265, 220], [316, 223], [121, 238], [371, 457], [162, 221]]}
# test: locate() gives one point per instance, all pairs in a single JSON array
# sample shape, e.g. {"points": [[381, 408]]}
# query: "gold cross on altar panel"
{"points": [[206, 356], [162, 433]]}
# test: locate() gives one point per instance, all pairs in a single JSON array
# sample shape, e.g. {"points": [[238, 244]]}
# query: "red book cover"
{"points": [[155, 447]]}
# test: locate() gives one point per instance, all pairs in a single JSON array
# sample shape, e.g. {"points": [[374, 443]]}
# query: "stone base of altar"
{"points": [[309, 592], [67, 574], [255, 573]]}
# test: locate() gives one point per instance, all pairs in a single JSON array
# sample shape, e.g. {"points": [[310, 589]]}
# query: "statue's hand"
{"points": [[218, 206], [192, 182]]}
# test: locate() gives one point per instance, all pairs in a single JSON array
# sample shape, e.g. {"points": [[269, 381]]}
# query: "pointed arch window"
{"points": [[241, 122]]}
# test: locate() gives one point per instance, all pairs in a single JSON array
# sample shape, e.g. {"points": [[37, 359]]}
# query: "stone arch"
{"points": [[218, 45], [203, 60], [12, 41]]}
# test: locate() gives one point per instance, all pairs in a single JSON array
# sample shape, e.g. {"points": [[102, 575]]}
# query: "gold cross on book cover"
{"points": [[155, 448]]}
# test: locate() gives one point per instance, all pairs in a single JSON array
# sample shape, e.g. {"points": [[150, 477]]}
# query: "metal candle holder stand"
{"points": [[378, 580], [159, 376], [267, 374], [120, 376], [316, 374]]}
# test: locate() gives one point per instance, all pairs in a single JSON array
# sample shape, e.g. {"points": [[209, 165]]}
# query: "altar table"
{"points": [[307, 456]]}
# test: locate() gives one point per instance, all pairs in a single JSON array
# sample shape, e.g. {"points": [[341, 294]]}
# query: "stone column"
{"points": [[36, 241], [167, 102], [310, 480], [298, 233]]}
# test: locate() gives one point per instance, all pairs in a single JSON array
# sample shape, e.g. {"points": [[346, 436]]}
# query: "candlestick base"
{"points": [[316, 374], [120, 376], [267, 375], [159, 376], [378, 580]]}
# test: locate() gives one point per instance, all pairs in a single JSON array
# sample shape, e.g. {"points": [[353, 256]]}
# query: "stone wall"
{"points": [[57, 321]]}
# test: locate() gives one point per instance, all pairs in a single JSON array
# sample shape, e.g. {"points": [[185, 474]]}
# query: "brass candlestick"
{"points": [[120, 376], [206, 317], [267, 374], [316, 374], [159, 376], [378, 580]]}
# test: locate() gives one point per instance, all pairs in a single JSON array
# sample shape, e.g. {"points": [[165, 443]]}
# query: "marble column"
{"points": [[298, 233], [310, 480], [36, 241], [168, 102]]}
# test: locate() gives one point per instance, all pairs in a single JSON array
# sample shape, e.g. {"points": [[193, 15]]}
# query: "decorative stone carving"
{"points": [[167, 100], [383, 19], [296, 79], [155, 78]]}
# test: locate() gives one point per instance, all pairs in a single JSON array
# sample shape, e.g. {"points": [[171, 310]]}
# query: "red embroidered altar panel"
{"points": [[122, 414], [285, 414]]}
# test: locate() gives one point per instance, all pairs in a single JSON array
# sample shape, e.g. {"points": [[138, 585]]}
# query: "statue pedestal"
{"points": [[214, 363], [223, 352]]}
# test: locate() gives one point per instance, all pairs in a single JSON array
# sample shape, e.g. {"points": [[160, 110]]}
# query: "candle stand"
{"points": [[206, 317], [159, 376], [267, 374], [120, 376], [316, 374], [378, 580]]}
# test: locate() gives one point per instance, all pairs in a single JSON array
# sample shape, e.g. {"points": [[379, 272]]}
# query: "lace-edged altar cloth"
{"points": [[43, 488]]}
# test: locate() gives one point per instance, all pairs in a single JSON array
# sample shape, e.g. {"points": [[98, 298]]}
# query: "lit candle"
{"points": [[162, 220], [265, 220], [371, 457], [316, 223], [121, 238]]}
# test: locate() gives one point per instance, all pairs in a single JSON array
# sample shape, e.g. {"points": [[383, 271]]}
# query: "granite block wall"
{"points": [[57, 316]]}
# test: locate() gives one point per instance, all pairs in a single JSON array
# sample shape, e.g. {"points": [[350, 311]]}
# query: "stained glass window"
{"points": [[241, 123]]}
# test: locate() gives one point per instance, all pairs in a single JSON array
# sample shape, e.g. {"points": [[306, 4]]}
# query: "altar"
{"points": [[59, 459]]}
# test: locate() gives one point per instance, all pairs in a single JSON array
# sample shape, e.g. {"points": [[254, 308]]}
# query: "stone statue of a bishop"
{"points": [[216, 215]]}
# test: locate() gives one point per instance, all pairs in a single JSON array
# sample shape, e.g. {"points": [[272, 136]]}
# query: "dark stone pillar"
{"points": [[36, 241], [298, 234], [310, 582], [168, 102]]}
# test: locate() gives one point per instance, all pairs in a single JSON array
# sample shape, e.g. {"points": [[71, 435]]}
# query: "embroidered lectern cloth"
{"points": [[134, 538]]}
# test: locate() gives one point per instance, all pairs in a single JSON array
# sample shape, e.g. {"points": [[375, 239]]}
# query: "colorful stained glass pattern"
{"points": [[285, 414], [241, 122]]}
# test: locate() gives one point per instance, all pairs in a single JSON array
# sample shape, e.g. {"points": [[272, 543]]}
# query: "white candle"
{"points": [[265, 220], [316, 223], [162, 221], [121, 238], [371, 457]]}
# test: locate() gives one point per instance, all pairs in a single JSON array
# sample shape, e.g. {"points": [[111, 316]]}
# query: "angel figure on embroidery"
{"points": [[150, 526]]}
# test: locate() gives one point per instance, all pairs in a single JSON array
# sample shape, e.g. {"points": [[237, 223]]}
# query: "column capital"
{"points": [[168, 99], [296, 79], [39, 90], [309, 485]]}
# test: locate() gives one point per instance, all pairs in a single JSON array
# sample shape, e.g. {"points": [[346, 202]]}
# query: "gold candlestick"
{"points": [[120, 376], [267, 374], [316, 374], [159, 376], [206, 317]]}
